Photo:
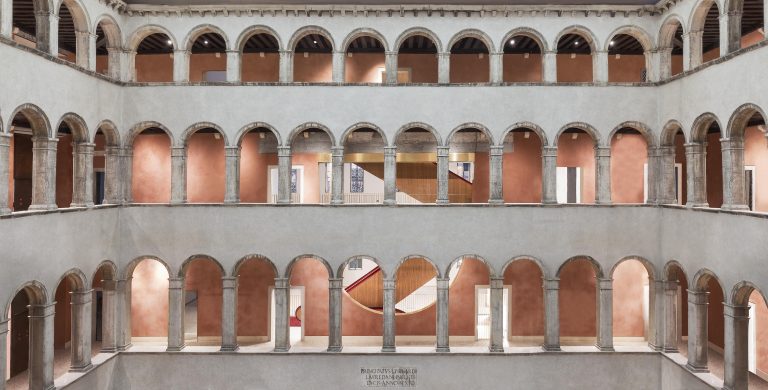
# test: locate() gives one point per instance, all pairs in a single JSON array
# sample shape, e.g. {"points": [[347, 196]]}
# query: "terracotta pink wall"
{"points": [[461, 301], [578, 300], [311, 175], [629, 280], [62, 321], [469, 68], [628, 155], [522, 169], [363, 67], [756, 154], [680, 159], [149, 300], [206, 174], [312, 274], [714, 171], [626, 68], [204, 277], [761, 316], [254, 170], [257, 68], [578, 69], [154, 67], [526, 298], [253, 298], [423, 66], [318, 67], [481, 182], [579, 152], [151, 180], [517, 68], [64, 171], [201, 63], [359, 321], [715, 319]]}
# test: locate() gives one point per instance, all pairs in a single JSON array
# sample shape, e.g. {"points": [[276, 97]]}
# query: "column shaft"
{"points": [[551, 314], [390, 175], [3, 348], [497, 314], [549, 175], [656, 314], [286, 66], [338, 66], [496, 177], [47, 32], [337, 175], [605, 314], [126, 167], [734, 189], [388, 339], [390, 67], [335, 287], [654, 161], [730, 35], [694, 47], [81, 330], [82, 46], [667, 193], [181, 66], [600, 67], [496, 67], [603, 175], [232, 192], [665, 63], [123, 318], [282, 314], [442, 175], [736, 353], [41, 346], [671, 308], [698, 341], [443, 343], [112, 175], [116, 58], [178, 174], [5, 143], [444, 68], [43, 173], [229, 313], [82, 184], [284, 174], [550, 67], [696, 157], [175, 314], [233, 66], [109, 315], [6, 30]]}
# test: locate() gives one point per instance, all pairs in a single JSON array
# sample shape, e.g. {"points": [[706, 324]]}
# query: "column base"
{"points": [[42, 207], [281, 349], [123, 347], [670, 350], [390, 202], [388, 348], [335, 348], [495, 349], [5, 210], [691, 368], [283, 201], [605, 349], [496, 202], [654, 347], [175, 349], [231, 201], [690, 204], [443, 349], [229, 348], [81, 369], [442, 201], [604, 202], [735, 207], [551, 348], [81, 205], [549, 201], [178, 202], [667, 201], [336, 202]]}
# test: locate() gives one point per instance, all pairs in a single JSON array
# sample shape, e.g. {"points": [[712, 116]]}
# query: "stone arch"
{"points": [[111, 135], [741, 292], [310, 125], [41, 126], [739, 119], [253, 257], [645, 262], [469, 126], [255, 30], [586, 127], [488, 265], [526, 32], [342, 266], [364, 32], [409, 257], [668, 29], [413, 31], [138, 35], [253, 126], [535, 260], [472, 33], [668, 268], [111, 30], [700, 126], [131, 266], [595, 265], [698, 16], [363, 125], [306, 30], [191, 130], [296, 259], [700, 280], [668, 133], [36, 292], [635, 32], [77, 125], [524, 125], [417, 125], [640, 127], [76, 277], [79, 14], [185, 265], [205, 29], [582, 31], [111, 268], [141, 126]]}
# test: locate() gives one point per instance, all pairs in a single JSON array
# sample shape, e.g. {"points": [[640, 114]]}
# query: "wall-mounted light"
{"points": [[349, 54], [306, 54], [574, 135], [480, 56], [216, 135], [218, 54], [573, 55], [306, 134], [618, 56], [527, 135], [526, 55], [261, 54], [618, 136]]}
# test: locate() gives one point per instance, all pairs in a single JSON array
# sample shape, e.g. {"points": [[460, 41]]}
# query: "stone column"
{"points": [[600, 67], [229, 314], [175, 314], [92, 52], [388, 339], [604, 314], [736, 353], [694, 48], [390, 67], [286, 66], [667, 193], [233, 66], [496, 180], [698, 344], [337, 175], [603, 175], [671, 307], [654, 160], [496, 67], [730, 32], [652, 62], [47, 32], [444, 68], [178, 174], [390, 175], [112, 175], [109, 315], [665, 63], [734, 191], [123, 318], [549, 175], [335, 287], [443, 343], [551, 314], [131, 72], [115, 64], [41, 346], [126, 167], [181, 66], [43, 173], [5, 145], [282, 315], [82, 46], [656, 314], [550, 67], [82, 185], [284, 174], [696, 157], [3, 344], [497, 314], [232, 161], [6, 30], [338, 66], [442, 175], [81, 330]]}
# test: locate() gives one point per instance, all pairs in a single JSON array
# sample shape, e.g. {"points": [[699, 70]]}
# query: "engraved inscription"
{"points": [[388, 377]]}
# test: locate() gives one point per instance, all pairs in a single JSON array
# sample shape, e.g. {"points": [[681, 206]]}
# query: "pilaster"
{"points": [[335, 287]]}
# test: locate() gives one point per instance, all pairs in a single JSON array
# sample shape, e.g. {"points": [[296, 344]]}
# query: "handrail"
{"points": [[362, 279]]}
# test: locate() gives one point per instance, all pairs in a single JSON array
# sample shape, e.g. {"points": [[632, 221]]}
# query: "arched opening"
{"points": [[313, 59], [752, 21], [677, 285], [151, 177], [26, 14], [470, 62], [311, 170], [750, 339], [748, 126], [705, 139], [25, 339], [23, 130], [526, 303], [417, 60], [626, 60], [364, 62], [469, 166], [103, 281], [521, 166], [364, 166], [255, 282], [260, 58], [710, 35], [469, 305], [416, 166], [576, 172], [68, 325], [153, 61], [71, 135], [574, 59], [671, 48], [673, 173], [202, 302], [68, 42], [99, 166], [208, 58], [149, 303], [206, 173], [706, 330], [108, 39], [522, 61], [577, 302], [309, 300], [415, 303], [363, 302], [629, 166], [258, 159], [632, 303]]}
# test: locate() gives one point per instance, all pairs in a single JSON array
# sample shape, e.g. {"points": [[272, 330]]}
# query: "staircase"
{"points": [[419, 180]]}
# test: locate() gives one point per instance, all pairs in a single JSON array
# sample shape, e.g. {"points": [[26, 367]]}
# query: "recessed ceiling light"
{"points": [[576, 43], [205, 42], [169, 42], [315, 42], [512, 42], [611, 43]]}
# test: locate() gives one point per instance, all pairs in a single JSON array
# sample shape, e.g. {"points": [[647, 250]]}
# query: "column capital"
{"points": [[550, 52], [694, 148], [737, 312], [390, 53], [44, 142], [731, 13], [109, 285], [184, 52], [601, 52], [442, 151], [229, 282], [602, 151], [175, 283], [337, 151], [698, 297], [549, 151], [389, 284], [283, 151], [230, 52], [497, 282], [3, 328], [42, 311], [443, 283], [392, 150], [126, 152], [81, 297], [5, 139], [654, 151], [335, 283], [282, 283], [83, 147], [605, 284], [444, 54], [496, 150], [232, 151], [731, 143], [671, 285], [178, 151], [551, 284]]}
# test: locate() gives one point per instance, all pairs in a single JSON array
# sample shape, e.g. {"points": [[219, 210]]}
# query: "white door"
{"points": [[752, 337], [568, 184]]}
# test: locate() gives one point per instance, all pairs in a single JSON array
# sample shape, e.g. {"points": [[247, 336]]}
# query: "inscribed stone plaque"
{"points": [[388, 377]]}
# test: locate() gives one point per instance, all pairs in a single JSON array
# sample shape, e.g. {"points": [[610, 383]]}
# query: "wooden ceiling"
{"points": [[418, 44], [261, 43], [157, 43], [521, 44], [469, 45], [365, 44]]}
